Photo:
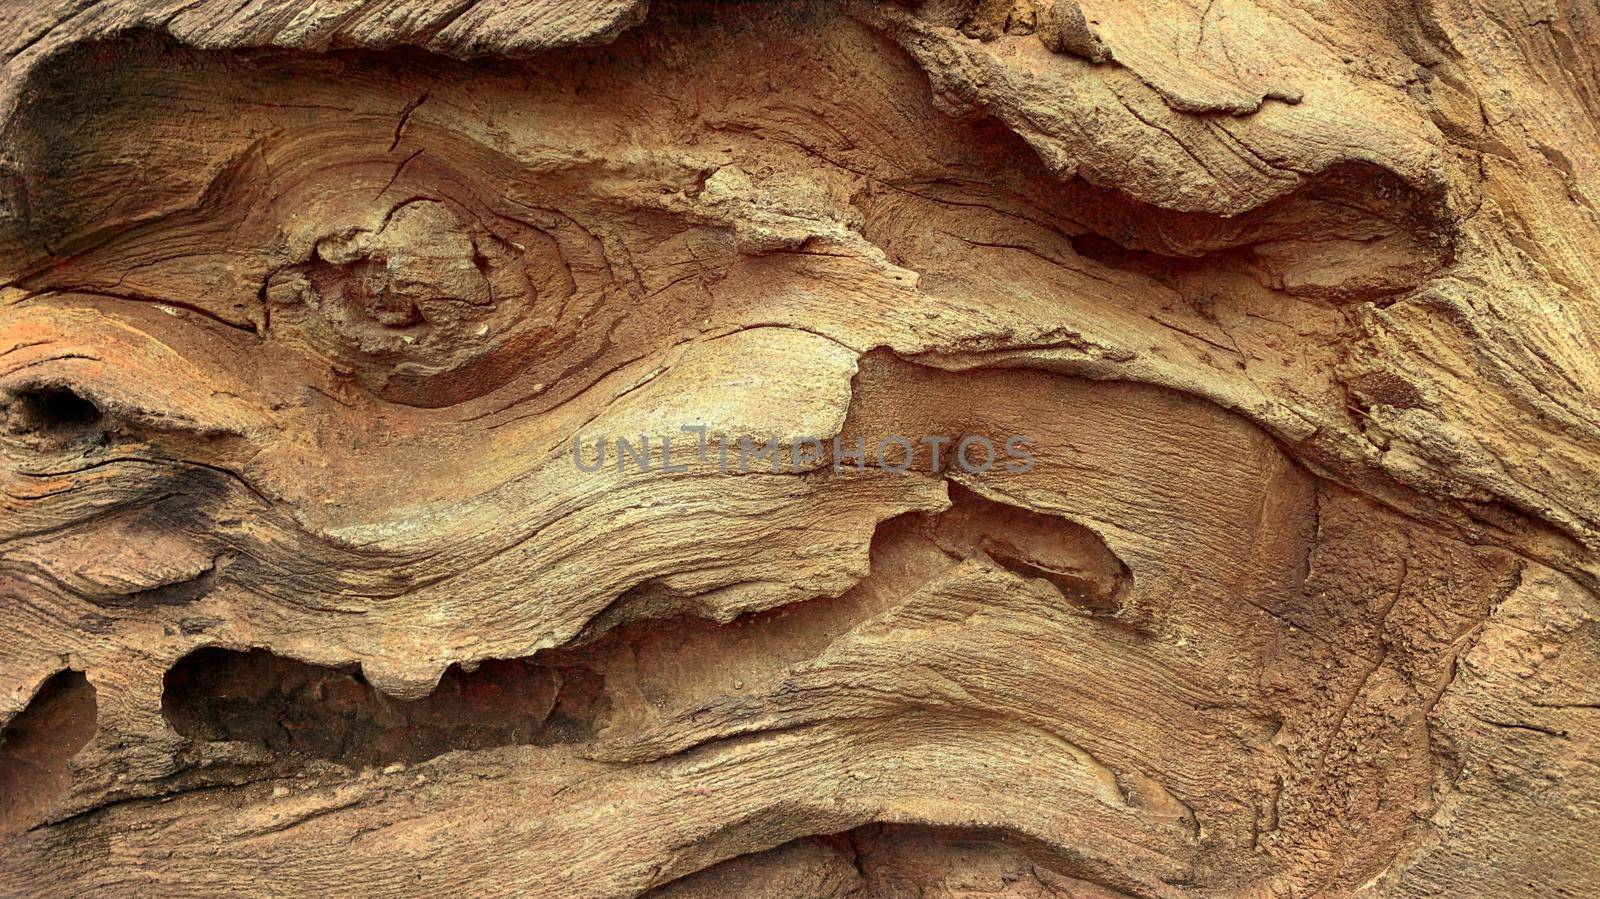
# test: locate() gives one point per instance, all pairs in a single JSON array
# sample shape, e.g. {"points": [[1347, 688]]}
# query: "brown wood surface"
{"points": [[1296, 302]]}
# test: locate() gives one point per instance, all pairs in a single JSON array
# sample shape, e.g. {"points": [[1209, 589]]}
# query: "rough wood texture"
{"points": [[302, 591]]}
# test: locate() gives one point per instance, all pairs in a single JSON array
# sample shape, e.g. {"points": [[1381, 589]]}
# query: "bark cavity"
{"points": [[37, 744], [298, 708]]}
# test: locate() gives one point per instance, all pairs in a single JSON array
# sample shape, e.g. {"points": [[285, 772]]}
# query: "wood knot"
{"points": [[408, 307]]}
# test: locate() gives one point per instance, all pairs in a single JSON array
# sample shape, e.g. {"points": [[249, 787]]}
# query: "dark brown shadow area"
{"points": [[901, 860], [36, 745], [333, 713]]}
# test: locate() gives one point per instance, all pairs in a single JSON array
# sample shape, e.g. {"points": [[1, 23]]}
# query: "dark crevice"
{"points": [[294, 707], [51, 412], [905, 860], [36, 745]]}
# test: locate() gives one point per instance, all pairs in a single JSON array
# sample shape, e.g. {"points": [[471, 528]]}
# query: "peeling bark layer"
{"points": [[322, 567]]}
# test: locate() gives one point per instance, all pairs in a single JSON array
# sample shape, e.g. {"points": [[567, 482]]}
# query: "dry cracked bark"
{"points": [[304, 303]]}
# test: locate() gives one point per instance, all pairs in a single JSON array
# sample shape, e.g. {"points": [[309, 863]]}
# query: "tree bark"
{"points": [[1034, 448]]}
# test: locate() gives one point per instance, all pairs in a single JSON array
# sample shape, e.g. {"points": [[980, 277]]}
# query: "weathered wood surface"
{"points": [[301, 591]]}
